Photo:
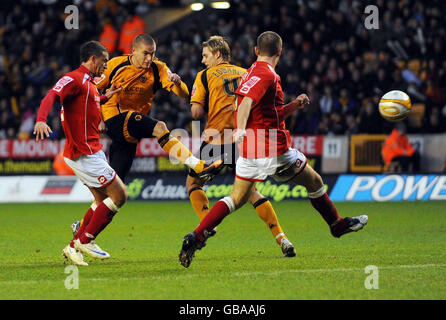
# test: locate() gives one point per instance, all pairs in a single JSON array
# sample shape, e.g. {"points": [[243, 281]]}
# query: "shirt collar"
{"points": [[88, 72]]}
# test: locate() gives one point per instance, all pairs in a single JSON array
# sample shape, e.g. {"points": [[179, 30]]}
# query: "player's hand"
{"points": [[112, 91], [176, 79], [302, 100], [42, 130], [102, 128], [238, 135]]}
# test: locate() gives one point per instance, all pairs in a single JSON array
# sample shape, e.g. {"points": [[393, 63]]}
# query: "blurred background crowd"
{"points": [[328, 54]]}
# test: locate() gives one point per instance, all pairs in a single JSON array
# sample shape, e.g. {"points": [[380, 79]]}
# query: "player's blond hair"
{"points": [[218, 43]]}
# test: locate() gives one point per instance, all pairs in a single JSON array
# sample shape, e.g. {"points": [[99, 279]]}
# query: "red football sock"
{"points": [[326, 208], [85, 221], [213, 218], [102, 216]]}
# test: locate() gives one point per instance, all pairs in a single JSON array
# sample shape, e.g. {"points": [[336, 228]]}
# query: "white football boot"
{"points": [[92, 249], [287, 248], [74, 256]]}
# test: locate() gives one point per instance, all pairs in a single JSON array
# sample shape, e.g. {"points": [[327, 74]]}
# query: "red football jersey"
{"points": [[266, 132], [80, 113]]}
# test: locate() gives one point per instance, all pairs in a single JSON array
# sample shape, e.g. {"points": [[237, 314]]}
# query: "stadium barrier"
{"points": [[327, 154], [172, 187]]}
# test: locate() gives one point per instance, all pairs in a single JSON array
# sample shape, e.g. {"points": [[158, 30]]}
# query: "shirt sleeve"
{"points": [[255, 86], [46, 105], [164, 72], [198, 95], [65, 87]]}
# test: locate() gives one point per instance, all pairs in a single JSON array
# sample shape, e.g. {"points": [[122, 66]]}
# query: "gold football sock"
{"points": [[175, 148], [199, 201], [266, 212]]}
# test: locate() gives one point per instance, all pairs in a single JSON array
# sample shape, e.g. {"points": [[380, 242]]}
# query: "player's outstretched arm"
{"points": [[110, 92], [41, 129], [300, 102], [243, 111], [179, 88]]}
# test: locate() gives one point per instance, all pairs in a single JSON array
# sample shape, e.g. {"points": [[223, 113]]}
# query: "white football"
{"points": [[395, 105]]}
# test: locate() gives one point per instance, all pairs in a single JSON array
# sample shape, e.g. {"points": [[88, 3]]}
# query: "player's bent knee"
{"points": [[315, 182], [193, 183], [254, 197]]}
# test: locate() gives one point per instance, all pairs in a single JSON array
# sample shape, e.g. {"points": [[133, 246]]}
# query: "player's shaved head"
{"points": [[92, 48], [218, 43], [269, 43], [143, 38]]}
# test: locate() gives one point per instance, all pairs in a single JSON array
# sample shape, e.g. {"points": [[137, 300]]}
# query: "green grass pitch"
{"points": [[405, 241]]}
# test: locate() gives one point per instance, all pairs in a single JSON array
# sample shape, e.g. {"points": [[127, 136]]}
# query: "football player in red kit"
{"points": [[264, 146], [81, 121]]}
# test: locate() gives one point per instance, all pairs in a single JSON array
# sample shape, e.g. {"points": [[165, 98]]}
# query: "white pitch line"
{"points": [[232, 274]]}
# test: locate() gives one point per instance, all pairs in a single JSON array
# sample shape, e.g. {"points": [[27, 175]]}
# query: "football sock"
{"points": [[322, 203], [266, 212], [218, 212], [199, 201], [175, 148], [84, 222], [102, 216]]}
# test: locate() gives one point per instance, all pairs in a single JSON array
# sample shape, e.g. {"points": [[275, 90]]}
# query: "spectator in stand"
{"points": [[109, 36], [397, 148]]}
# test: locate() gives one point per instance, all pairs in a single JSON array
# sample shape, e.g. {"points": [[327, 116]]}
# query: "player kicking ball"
{"points": [[264, 146], [81, 121]]}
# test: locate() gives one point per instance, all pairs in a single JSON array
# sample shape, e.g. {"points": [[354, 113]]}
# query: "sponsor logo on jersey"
{"points": [[62, 83], [249, 84]]}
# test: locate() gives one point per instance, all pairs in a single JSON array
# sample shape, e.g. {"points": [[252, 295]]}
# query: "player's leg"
{"points": [[241, 191], [115, 195], [320, 200], [176, 149], [123, 147], [109, 192], [197, 196], [194, 185], [121, 157], [266, 212], [98, 198], [196, 240]]}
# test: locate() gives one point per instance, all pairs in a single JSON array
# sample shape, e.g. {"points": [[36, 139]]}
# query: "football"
{"points": [[395, 105]]}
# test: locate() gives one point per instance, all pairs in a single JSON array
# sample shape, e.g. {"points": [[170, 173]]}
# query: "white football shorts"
{"points": [[93, 169], [282, 168]]}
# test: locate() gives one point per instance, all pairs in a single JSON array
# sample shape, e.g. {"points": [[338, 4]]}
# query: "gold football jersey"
{"points": [[214, 89], [139, 85]]}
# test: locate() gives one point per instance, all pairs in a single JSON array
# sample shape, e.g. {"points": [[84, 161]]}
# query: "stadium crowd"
{"points": [[328, 54]]}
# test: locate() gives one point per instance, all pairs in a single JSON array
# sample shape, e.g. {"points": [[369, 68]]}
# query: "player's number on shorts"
{"points": [[230, 86]]}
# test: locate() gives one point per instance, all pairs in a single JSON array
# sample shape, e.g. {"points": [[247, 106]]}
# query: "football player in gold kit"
{"points": [[141, 75]]}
